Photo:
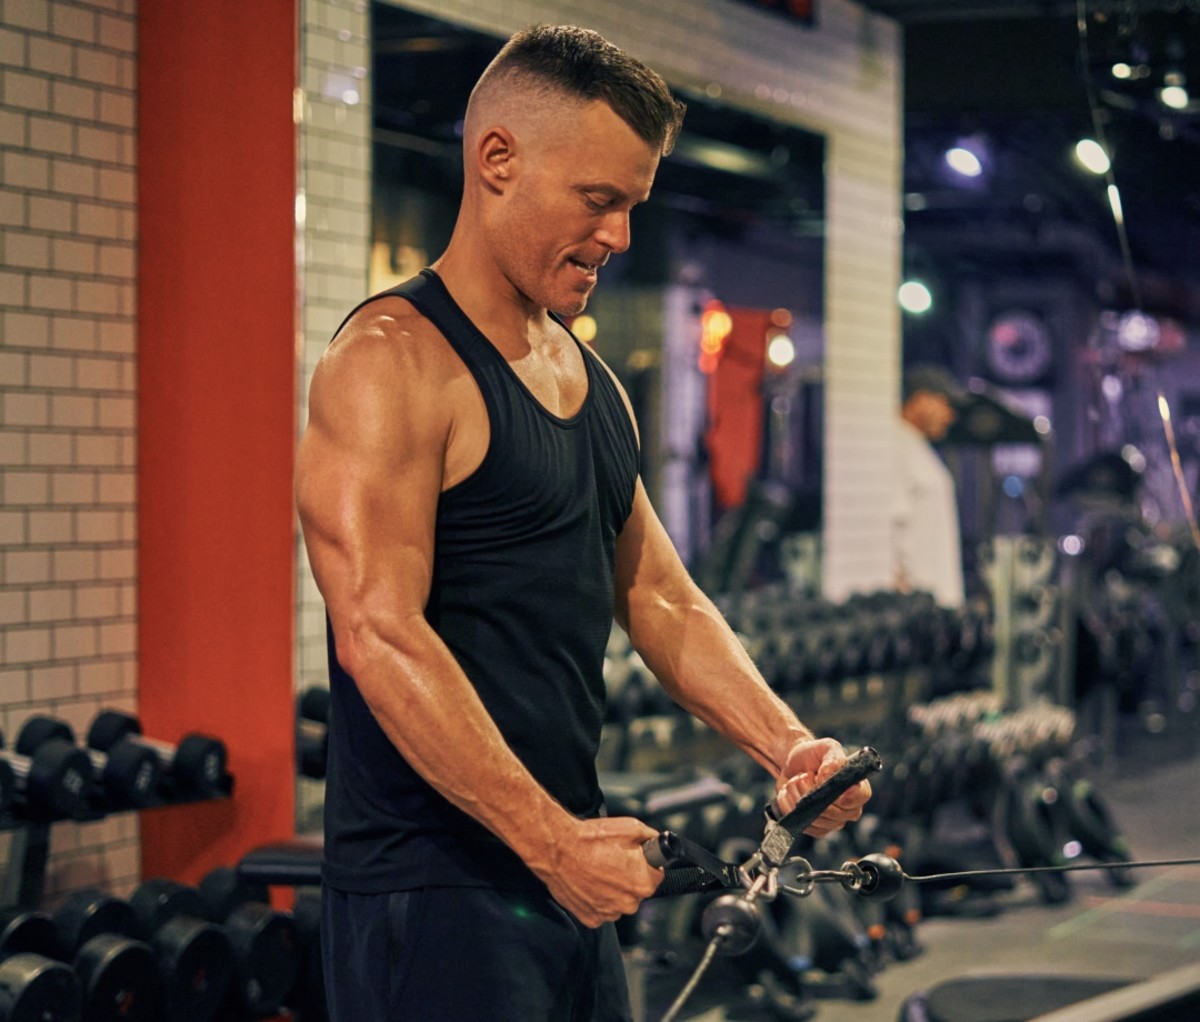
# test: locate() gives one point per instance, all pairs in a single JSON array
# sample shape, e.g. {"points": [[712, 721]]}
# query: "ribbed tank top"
{"points": [[522, 594]]}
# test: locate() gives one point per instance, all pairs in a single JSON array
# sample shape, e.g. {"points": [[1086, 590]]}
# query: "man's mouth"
{"points": [[588, 268]]}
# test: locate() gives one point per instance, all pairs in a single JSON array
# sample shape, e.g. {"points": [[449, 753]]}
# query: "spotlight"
{"points": [[964, 162], [781, 351], [914, 297], [1091, 156], [1175, 95]]}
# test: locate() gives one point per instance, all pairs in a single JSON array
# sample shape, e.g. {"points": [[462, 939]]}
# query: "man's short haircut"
{"points": [[581, 63]]}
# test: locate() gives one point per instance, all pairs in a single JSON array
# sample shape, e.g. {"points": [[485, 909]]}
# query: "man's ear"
{"points": [[496, 152]]}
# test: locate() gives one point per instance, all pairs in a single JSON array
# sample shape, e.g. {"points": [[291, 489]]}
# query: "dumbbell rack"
{"points": [[23, 880]]}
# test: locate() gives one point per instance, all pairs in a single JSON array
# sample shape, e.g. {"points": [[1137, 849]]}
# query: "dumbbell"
{"points": [[312, 732], [195, 956], [56, 780], [266, 945], [8, 785], [33, 986], [128, 773], [196, 766], [118, 974], [307, 996]]}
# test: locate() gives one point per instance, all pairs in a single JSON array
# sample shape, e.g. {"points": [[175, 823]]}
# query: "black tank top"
{"points": [[522, 594]]}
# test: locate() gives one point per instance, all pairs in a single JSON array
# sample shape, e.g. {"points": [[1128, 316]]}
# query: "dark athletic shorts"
{"points": [[467, 954]]}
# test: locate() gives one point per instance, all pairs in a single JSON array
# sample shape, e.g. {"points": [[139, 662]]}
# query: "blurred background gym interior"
{"points": [[192, 196]]}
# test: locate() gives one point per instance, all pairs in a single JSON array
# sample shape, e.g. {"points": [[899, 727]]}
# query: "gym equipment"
{"points": [[312, 732], [118, 974], [196, 766], [33, 986], [8, 785], [195, 956], [265, 942], [128, 773], [56, 781], [307, 996], [733, 921]]}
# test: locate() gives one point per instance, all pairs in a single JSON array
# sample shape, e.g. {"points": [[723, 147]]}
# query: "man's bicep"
{"points": [[367, 486], [649, 572]]}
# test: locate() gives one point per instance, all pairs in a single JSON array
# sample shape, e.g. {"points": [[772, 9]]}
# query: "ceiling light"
{"points": [[964, 162], [1114, 201], [1122, 70], [914, 297], [781, 351], [1092, 156], [1174, 96]]}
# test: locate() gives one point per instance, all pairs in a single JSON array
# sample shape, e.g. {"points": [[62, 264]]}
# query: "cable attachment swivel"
{"points": [[876, 876]]}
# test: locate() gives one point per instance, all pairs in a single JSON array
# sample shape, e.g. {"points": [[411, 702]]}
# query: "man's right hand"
{"points": [[597, 870]]}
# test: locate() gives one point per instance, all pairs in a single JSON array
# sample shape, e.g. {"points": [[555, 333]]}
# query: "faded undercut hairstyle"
{"points": [[581, 63]]}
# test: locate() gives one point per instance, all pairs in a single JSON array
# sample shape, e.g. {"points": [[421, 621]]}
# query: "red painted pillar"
{"points": [[216, 411]]}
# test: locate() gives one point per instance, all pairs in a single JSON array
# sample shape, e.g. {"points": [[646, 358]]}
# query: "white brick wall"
{"points": [[67, 375], [335, 186]]}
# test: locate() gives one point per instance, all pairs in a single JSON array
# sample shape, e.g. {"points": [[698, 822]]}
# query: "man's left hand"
{"points": [[809, 763]]}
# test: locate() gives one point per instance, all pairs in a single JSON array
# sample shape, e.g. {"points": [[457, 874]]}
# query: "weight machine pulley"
{"points": [[732, 921]]}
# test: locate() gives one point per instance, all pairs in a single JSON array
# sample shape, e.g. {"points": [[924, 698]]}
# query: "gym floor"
{"points": [[1135, 932]]}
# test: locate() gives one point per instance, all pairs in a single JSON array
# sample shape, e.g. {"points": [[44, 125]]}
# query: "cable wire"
{"points": [[689, 987]]}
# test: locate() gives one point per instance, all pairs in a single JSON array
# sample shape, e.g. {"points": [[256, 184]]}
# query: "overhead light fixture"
{"points": [[1091, 156], [914, 297], [1174, 92], [964, 162], [781, 351], [1114, 201], [1122, 70]]}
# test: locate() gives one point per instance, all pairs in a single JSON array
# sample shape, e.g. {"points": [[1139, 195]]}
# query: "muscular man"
{"points": [[468, 490]]}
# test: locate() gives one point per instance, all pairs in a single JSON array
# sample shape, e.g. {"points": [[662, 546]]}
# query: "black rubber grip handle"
{"points": [[777, 845]]}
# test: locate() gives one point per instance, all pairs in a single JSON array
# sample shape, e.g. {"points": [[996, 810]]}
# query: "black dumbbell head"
{"points": [[132, 774], [109, 727], [196, 961], [60, 781], [27, 930], [314, 704], [36, 731], [267, 952], [199, 764], [34, 988], [224, 889], [159, 899], [89, 913], [119, 980]]}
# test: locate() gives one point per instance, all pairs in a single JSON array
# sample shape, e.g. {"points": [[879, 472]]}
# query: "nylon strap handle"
{"points": [[690, 868]]}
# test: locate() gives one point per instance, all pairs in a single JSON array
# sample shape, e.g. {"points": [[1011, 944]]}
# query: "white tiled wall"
{"points": [[335, 185], [68, 593]]}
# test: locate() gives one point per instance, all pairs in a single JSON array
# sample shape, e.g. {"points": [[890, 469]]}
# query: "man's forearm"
{"points": [[702, 665]]}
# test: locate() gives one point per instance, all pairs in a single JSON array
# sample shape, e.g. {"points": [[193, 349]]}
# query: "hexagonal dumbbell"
{"points": [[128, 773], [52, 781], [34, 987], [118, 974], [266, 945], [195, 956], [312, 732], [196, 766]]}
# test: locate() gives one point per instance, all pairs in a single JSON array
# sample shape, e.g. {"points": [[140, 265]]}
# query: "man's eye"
{"points": [[596, 205]]}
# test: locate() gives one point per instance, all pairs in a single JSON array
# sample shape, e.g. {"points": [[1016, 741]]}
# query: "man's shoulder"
{"points": [[387, 334]]}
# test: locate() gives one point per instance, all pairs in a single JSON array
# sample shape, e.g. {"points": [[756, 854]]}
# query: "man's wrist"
{"points": [[794, 736]]}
